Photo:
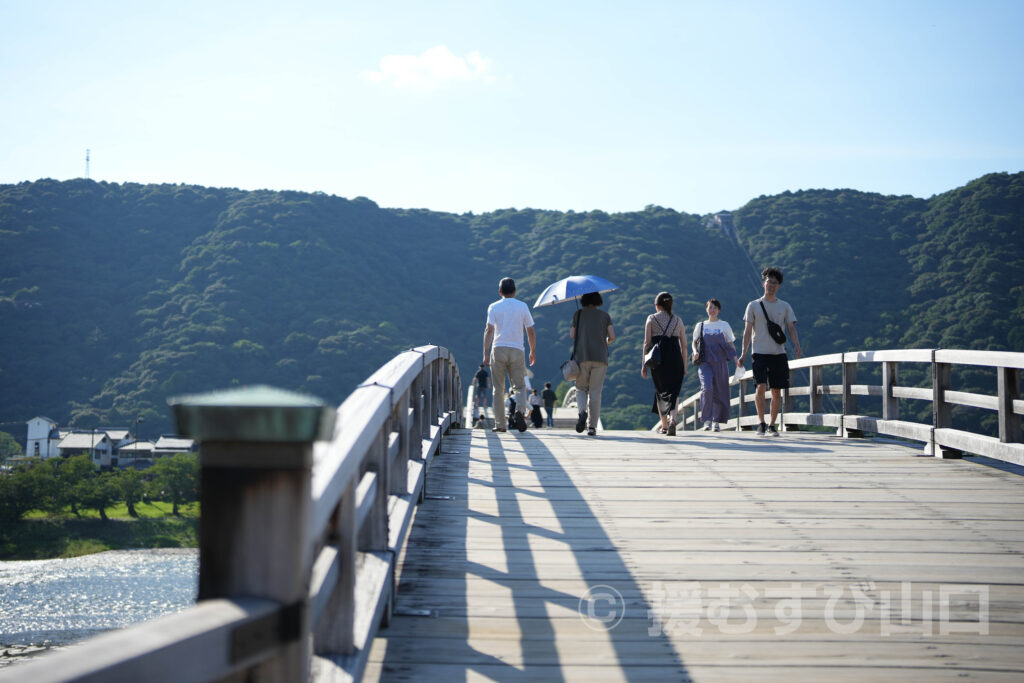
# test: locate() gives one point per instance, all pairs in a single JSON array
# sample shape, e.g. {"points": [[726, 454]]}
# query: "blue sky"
{"points": [[478, 106]]}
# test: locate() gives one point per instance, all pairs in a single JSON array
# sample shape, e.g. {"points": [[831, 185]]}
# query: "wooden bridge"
{"points": [[549, 555]]}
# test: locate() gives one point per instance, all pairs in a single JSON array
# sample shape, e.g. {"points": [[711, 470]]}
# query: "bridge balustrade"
{"points": [[304, 510], [940, 438]]}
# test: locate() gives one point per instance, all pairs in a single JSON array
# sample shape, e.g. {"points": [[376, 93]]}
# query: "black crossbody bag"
{"points": [[774, 329]]}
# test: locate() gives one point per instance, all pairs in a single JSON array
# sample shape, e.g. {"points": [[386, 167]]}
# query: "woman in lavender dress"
{"points": [[719, 349]]}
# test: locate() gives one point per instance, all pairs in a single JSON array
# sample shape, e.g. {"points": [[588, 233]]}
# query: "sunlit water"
{"points": [[52, 603]]}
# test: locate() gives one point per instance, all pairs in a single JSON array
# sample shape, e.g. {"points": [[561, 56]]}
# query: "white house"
{"points": [[43, 438], [172, 445], [94, 443]]}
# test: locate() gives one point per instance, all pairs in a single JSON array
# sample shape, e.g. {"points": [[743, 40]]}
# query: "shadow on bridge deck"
{"points": [[636, 557]]}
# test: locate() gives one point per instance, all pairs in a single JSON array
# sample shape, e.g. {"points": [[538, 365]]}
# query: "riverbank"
{"points": [[57, 536]]}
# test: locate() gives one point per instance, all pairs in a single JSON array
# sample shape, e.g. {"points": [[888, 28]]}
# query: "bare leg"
{"points": [[759, 401], [776, 404]]}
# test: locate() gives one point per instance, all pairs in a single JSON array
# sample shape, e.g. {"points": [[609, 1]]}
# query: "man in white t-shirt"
{"points": [[503, 350], [770, 364]]}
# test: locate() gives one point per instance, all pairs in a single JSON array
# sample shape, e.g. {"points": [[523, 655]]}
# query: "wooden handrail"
{"points": [[939, 437], [304, 511]]}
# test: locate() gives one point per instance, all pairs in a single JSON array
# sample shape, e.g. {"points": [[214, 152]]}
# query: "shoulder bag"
{"points": [[698, 356], [652, 358], [570, 368], [774, 329]]}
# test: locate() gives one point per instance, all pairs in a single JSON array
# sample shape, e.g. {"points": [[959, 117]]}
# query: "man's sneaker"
{"points": [[715, 428], [762, 429], [772, 431], [498, 429], [520, 422], [591, 432], [581, 423], [707, 426]]}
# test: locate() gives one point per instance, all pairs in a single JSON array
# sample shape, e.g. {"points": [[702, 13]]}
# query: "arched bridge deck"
{"points": [[548, 555]]}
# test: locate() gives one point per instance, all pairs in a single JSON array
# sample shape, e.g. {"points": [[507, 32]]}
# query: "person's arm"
{"points": [[532, 336], [682, 344], [643, 349], [748, 333], [796, 340], [488, 338], [611, 334], [731, 338]]}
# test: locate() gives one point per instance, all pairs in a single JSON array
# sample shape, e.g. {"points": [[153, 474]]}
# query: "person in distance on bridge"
{"points": [[719, 347], [506, 319], [592, 331], [771, 366], [667, 331], [481, 380], [549, 397]]}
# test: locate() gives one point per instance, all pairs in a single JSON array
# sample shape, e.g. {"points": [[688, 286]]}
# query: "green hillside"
{"points": [[114, 297]]}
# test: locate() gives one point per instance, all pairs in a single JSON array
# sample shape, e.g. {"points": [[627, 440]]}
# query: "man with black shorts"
{"points": [[771, 366]]}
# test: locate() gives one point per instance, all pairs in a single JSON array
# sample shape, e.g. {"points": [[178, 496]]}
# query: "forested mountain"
{"points": [[114, 297]]}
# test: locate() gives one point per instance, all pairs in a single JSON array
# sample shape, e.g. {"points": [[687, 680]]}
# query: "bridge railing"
{"points": [[304, 509], [939, 437]]}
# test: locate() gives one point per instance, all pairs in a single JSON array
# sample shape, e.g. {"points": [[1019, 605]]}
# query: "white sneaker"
{"points": [[707, 426], [715, 428]]}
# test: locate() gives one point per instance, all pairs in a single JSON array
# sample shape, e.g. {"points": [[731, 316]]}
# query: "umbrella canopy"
{"points": [[572, 288]]}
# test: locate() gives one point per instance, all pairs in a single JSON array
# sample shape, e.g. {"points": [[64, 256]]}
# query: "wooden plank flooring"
{"points": [[708, 557]]}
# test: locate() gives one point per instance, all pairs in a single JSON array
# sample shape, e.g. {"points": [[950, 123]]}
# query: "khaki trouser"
{"points": [[506, 360], [589, 385]]}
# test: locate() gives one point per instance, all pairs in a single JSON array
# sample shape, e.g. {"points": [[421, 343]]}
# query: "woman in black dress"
{"points": [[666, 330]]}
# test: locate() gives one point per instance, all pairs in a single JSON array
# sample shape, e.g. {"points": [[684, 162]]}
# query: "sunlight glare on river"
{"points": [[52, 603]]}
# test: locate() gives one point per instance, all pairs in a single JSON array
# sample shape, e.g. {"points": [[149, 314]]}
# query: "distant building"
{"points": [[105, 447], [43, 437], [723, 221], [94, 443], [172, 445]]}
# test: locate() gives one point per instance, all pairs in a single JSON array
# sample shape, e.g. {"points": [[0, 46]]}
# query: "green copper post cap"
{"points": [[255, 413]]}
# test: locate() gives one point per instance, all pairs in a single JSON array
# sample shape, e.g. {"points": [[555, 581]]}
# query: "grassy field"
{"points": [[41, 536]]}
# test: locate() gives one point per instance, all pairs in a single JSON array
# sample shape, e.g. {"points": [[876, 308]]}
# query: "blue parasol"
{"points": [[571, 288]]}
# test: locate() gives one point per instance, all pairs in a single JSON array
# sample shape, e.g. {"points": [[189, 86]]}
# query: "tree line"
{"points": [[60, 485]]}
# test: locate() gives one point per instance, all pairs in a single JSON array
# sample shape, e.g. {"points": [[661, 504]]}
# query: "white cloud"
{"points": [[431, 69]]}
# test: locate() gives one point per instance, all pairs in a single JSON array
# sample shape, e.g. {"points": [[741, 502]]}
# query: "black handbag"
{"points": [[698, 356], [570, 368], [774, 329], [652, 358]]}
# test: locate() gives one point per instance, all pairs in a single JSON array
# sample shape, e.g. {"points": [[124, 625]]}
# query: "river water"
{"points": [[48, 604]]}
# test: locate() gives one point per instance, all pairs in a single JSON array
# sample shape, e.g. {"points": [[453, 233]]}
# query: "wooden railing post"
{"points": [[374, 534], [890, 379], [256, 457], [1009, 391], [942, 411], [742, 405], [787, 407], [849, 399], [817, 401], [400, 471], [336, 631]]}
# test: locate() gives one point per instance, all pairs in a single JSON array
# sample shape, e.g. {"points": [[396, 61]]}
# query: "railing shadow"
{"points": [[572, 592]]}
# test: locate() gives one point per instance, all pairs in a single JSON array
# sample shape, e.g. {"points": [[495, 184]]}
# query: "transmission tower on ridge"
{"points": [[86, 164]]}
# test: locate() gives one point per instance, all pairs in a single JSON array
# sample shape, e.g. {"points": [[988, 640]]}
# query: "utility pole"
{"points": [[87, 164]]}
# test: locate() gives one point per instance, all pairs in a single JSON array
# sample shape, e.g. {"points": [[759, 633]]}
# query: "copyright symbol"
{"points": [[602, 608]]}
